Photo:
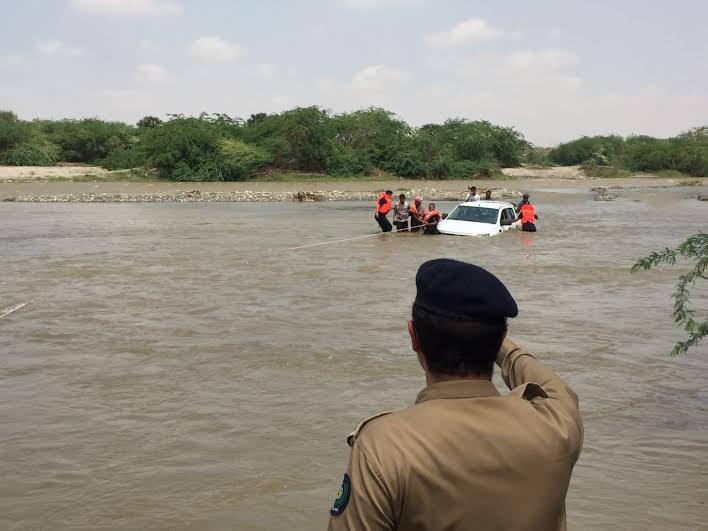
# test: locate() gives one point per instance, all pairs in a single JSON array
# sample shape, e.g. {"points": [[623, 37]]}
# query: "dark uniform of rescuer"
{"points": [[464, 456]]}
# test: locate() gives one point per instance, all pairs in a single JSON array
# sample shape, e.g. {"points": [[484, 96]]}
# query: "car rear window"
{"points": [[475, 214]]}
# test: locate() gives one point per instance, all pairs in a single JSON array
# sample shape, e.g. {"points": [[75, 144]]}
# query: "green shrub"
{"points": [[440, 167], [149, 122], [537, 156], [13, 132], [408, 164], [240, 160], [644, 153], [124, 159], [34, 152], [348, 161], [88, 140], [581, 150], [184, 149], [204, 172], [300, 139]]}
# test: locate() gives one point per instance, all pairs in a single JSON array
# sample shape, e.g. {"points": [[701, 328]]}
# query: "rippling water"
{"points": [[183, 370]]}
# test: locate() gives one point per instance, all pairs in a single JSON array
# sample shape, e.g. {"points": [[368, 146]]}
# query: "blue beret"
{"points": [[458, 290]]}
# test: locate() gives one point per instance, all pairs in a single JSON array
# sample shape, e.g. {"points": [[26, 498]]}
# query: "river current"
{"points": [[181, 368]]}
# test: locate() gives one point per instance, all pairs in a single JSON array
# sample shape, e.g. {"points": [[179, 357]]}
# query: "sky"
{"points": [[553, 69]]}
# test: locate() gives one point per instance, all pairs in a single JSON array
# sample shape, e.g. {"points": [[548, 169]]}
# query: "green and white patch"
{"points": [[342, 497]]}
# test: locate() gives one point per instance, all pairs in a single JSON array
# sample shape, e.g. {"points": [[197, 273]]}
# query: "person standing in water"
{"points": [[417, 211], [527, 215], [431, 220], [488, 195], [473, 196], [401, 213], [383, 207]]}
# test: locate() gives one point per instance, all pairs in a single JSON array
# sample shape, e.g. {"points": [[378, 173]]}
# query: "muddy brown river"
{"points": [[181, 369]]}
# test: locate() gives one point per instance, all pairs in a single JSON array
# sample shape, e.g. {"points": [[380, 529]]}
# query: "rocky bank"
{"points": [[197, 196]]}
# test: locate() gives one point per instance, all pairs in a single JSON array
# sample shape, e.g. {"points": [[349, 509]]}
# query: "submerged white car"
{"points": [[481, 218]]}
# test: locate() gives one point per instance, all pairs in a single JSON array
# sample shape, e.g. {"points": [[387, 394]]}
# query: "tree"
{"points": [[695, 249], [149, 122]]}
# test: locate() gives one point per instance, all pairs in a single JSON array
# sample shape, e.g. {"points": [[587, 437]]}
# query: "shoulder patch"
{"points": [[342, 500], [353, 435]]}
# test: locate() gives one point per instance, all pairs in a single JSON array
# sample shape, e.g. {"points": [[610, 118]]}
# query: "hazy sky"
{"points": [[554, 69]]}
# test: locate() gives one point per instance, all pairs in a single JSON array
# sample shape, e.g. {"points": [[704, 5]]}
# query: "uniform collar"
{"points": [[458, 389]]}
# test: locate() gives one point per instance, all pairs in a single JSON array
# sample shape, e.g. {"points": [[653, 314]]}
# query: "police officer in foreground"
{"points": [[465, 457]]}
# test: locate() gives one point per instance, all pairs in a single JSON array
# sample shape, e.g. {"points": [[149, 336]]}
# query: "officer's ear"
{"points": [[415, 345], [415, 340]]}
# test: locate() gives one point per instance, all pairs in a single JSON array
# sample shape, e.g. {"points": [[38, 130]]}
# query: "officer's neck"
{"points": [[431, 379]]}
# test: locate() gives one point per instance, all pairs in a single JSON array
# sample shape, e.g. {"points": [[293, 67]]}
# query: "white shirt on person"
{"points": [[472, 198]]}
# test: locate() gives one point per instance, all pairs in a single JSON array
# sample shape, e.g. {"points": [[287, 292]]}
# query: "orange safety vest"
{"points": [[414, 209], [388, 205], [432, 213], [528, 214]]}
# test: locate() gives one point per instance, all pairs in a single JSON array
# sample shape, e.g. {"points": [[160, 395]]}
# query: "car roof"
{"points": [[488, 204]]}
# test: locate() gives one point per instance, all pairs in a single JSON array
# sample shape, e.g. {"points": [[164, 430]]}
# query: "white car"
{"points": [[481, 218]]}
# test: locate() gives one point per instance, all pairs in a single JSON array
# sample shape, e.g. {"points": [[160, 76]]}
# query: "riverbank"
{"points": [[238, 196], [352, 190]]}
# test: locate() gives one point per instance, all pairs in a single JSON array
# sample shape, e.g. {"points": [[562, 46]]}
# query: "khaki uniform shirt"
{"points": [[465, 457]]}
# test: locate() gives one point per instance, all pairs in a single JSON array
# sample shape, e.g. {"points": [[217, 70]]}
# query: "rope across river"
{"points": [[16, 308], [417, 227]]}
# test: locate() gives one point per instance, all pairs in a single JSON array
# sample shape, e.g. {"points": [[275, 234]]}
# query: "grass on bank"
{"points": [[610, 172], [129, 176], [298, 177]]}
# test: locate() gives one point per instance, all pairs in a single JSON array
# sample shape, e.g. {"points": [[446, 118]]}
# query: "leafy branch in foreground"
{"points": [[694, 248]]}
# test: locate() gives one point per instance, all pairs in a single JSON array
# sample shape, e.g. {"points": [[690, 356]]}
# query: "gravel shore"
{"points": [[188, 196]]}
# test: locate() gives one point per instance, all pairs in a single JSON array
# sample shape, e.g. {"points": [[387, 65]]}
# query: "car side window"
{"points": [[508, 214]]}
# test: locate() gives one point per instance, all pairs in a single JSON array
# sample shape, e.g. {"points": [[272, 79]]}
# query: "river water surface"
{"points": [[182, 369]]}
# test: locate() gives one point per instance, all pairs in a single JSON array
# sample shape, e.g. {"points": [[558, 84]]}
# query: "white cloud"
{"points": [[54, 48], [371, 4], [264, 70], [216, 49], [470, 30], [553, 59], [555, 34], [145, 8], [11, 61], [325, 85], [376, 78], [151, 73]]}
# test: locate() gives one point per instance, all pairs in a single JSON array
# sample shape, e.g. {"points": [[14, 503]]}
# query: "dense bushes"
{"points": [[686, 153], [218, 147], [36, 151]]}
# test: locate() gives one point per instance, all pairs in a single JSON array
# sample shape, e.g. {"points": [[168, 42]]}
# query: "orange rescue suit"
{"points": [[388, 205], [414, 209], [528, 214]]}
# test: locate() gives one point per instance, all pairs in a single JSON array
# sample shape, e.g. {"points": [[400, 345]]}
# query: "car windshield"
{"points": [[476, 214]]}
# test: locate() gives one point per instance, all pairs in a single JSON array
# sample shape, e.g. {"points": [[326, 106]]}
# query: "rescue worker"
{"points": [[524, 200], [417, 211], [431, 220], [465, 456], [527, 215], [401, 213], [383, 207]]}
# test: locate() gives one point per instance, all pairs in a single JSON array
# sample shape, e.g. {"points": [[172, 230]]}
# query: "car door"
{"points": [[507, 215], [512, 215]]}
